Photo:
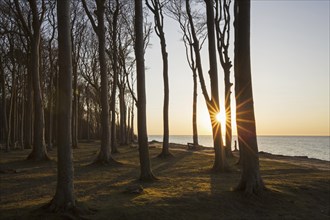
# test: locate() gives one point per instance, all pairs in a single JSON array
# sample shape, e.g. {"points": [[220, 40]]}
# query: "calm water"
{"points": [[311, 146]]}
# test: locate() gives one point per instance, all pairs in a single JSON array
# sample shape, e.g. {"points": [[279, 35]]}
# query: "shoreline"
{"points": [[312, 146], [305, 161]]}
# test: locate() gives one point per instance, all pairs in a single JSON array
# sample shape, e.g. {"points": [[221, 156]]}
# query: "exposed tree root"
{"points": [[251, 186], [165, 155], [106, 162], [148, 177], [38, 157], [104, 159], [220, 168], [55, 210]]}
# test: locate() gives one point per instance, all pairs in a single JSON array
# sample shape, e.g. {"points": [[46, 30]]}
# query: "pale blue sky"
{"points": [[290, 69]]}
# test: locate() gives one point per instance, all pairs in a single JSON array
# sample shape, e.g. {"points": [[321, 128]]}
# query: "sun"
{"points": [[221, 117]]}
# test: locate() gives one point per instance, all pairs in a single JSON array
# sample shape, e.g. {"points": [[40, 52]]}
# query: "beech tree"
{"points": [[77, 35], [104, 156], [222, 26], [114, 55], [251, 181], [39, 151], [178, 13], [64, 199], [156, 7], [212, 102], [146, 173]]}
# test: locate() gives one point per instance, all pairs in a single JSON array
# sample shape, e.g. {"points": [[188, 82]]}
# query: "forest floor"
{"points": [[298, 187]]}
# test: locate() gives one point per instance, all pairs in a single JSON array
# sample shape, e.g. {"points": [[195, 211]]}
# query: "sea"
{"points": [[317, 147]]}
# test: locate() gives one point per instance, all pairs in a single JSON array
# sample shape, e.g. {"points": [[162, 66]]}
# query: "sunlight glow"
{"points": [[221, 117]]}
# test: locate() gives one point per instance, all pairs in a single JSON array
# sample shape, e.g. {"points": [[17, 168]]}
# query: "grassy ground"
{"points": [[299, 188]]}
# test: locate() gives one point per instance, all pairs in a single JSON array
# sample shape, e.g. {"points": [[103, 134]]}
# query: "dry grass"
{"points": [[299, 188]]}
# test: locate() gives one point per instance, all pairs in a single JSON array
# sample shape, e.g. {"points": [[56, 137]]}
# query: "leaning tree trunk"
{"points": [[146, 173], [251, 181], [64, 199]]}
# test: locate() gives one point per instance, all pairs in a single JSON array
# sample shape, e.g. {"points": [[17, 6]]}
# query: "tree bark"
{"points": [[10, 139], [146, 173], [50, 107], [4, 103], [194, 118], [156, 8], [39, 151], [104, 156], [122, 107], [222, 18], [29, 111], [114, 148], [64, 199], [251, 181], [75, 108], [214, 107]]}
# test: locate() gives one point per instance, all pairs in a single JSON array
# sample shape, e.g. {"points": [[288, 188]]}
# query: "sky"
{"points": [[290, 72]]}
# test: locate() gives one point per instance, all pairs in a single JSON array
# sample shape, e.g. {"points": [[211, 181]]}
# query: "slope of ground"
{"points": [[298, 188]]}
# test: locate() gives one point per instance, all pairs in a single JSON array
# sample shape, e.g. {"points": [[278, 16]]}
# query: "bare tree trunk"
{"points": [[122, 106], [4, 103], [29, 110], [88, 112], [132, 122], [50, 109], [251, 181], [75, 108], [114, 148], [156, 9], [194, 118], [223, 36], [104, 156], [229, 133], [214, 107], [15, 114], [128, 130], [64, 199], [39, 151], [146, 173], [10, 140], [21, 125]]}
